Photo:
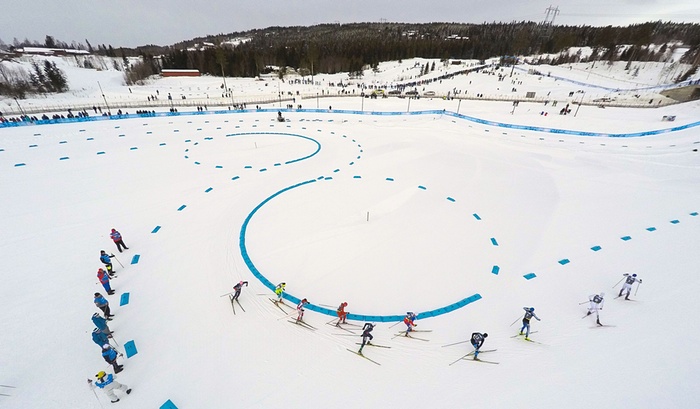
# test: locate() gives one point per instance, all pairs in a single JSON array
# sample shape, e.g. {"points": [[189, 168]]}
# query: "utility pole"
{"points": [[104, 98]]}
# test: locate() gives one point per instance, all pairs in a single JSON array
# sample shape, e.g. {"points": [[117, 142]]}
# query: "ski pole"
{"points": [[288, 315], [397, 322], [635, 291], [120, 263], [226, 294], [519, 318], [585, 302], [456, 343], [95, 393], [618, 282]]}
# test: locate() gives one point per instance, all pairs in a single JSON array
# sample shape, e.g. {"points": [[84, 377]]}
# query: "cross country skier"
{"points": [[106, 259], [529, 314], [366, 336], [408, 320], [300, 309], [477, 341], [104, 280], [117, 239], [630, 279], [110, 356], [102, 303], [108, 384], [341, 314], [597, 302], [279, 290], [237, 288]]}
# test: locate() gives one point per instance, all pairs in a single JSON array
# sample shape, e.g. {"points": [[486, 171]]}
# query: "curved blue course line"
{"points": [[318, 145], [358, 317], [354, 112], [661, 87]]}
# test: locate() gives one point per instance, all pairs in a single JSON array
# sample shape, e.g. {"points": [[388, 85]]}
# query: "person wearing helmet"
{"points": [[104, 280], [409, 321], [596, 301], [110, 356], [279, 291], [341, 314], [529, 314], [300, 309], [237, 288], [477, 341], [630, 279], [366, 335], [117, 239], [106, 259], [108, 384]]}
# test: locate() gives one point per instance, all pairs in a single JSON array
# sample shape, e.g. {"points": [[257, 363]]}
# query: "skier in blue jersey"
{"points": [[529, 314]]}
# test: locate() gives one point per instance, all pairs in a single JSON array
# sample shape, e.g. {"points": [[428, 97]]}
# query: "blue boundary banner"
{"points": [[360, 317]]}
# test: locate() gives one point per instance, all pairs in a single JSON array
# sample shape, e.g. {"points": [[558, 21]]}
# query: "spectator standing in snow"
{"points": [[108, 384], [237, 289], [341, 314], [300, 309], [99, 337], [630, 279], [529, 314], [106, 259], [110, 356], [366, 335], [104, 280], [101, 324], [103, 305], [477, 341], [596, 302], [279, 291], [117, 238], [409, 321]]}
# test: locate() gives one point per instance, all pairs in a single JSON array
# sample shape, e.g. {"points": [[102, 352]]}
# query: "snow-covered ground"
{"points": [[388, 213], [589, 82]]}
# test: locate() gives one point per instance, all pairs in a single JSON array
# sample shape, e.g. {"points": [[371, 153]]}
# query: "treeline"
{"points": [[332, 48], [44, 78]]}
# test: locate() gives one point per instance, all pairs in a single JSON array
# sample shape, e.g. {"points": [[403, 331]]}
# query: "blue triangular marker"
{"points": [[124, 300]]}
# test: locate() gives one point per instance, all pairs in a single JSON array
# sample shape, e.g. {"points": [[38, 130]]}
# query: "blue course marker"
{"points": [[493, 241], [675, 221], [33, 146], [209, 190], [20, 164], [168, 405], [133, 148], [101, 152], [130, 349], [651, 228], [162, 144], [530, 276], [450, 199], [63, 158], [135, 259], [219, 167], [124, 300], [564, 262], [156, 229], [694, 214], [422, 187], [181, 208], [596, 248], [357, 177], [495, 270], [476, 216], [390, 179], [235, 177], [626, 238]]}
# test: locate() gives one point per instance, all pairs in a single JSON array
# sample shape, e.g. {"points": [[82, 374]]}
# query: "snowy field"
{"points": [[390, 214]]}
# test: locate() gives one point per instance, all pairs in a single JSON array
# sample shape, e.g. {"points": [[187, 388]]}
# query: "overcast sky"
{"points": [[132, 23]]}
